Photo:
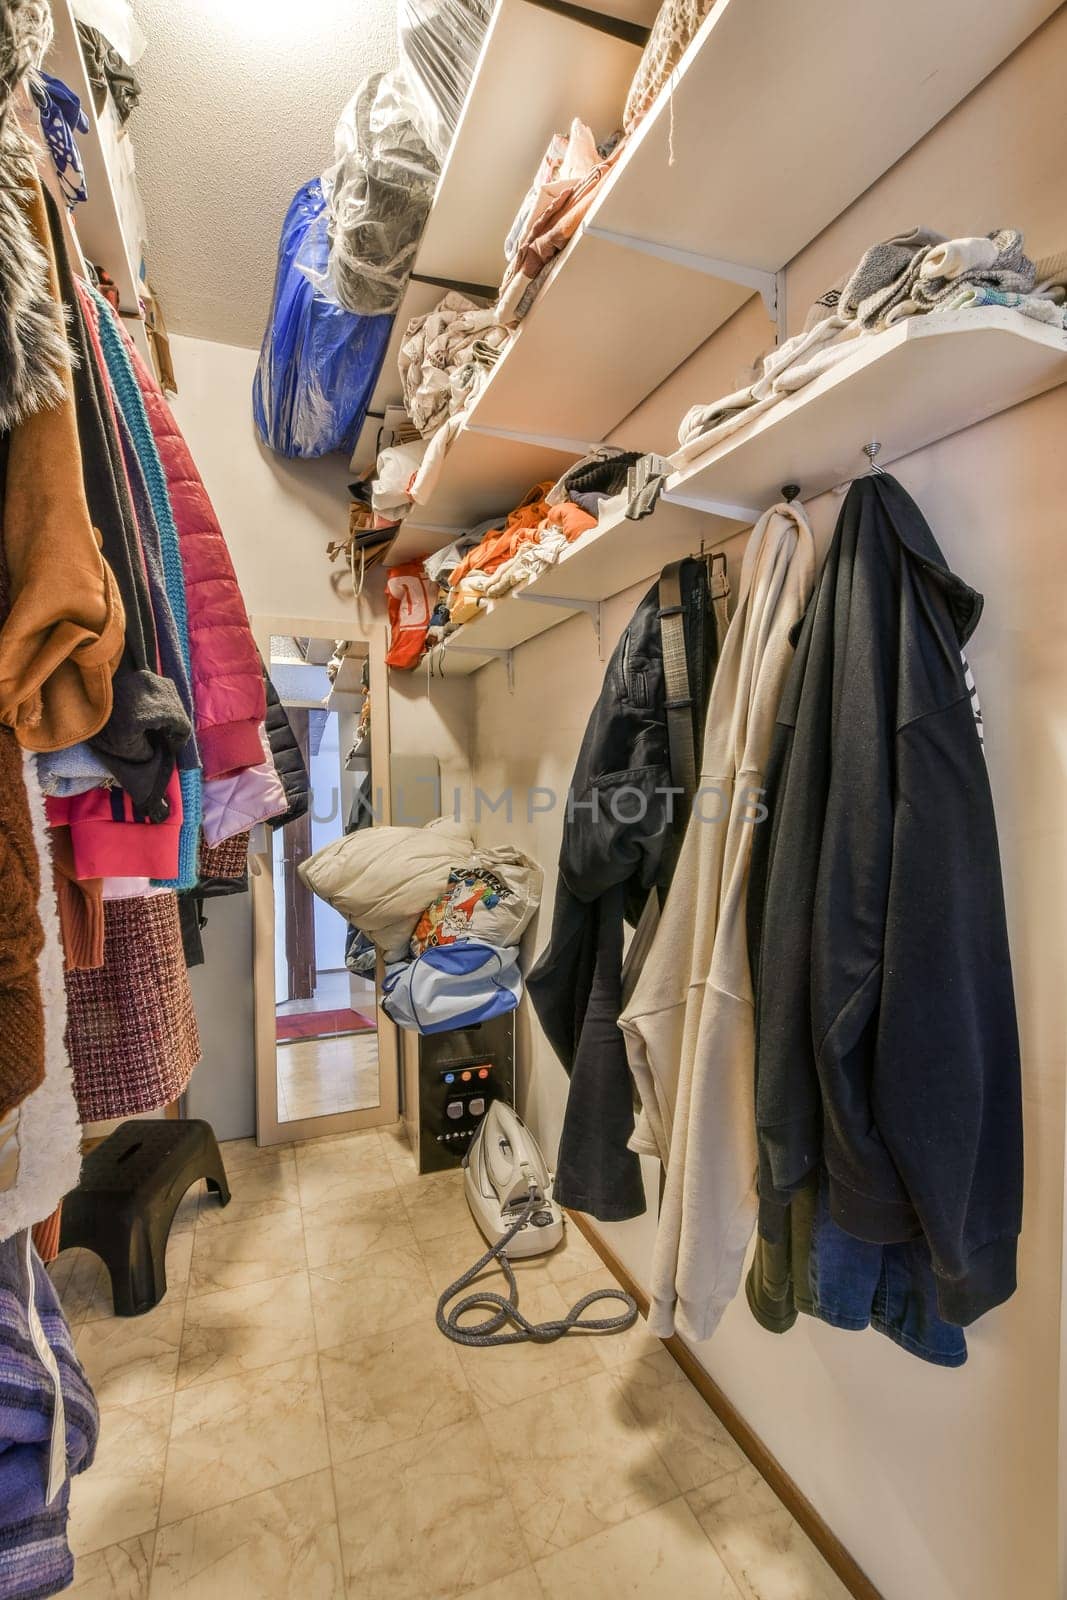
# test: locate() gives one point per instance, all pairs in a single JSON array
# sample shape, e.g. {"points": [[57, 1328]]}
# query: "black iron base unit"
{"points": [[460, 1073]]}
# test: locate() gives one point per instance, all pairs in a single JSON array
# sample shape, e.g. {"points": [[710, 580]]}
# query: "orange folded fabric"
{"points": [[21, 936], [500, 544], [571, 520], [81, 908], [64, 635]]}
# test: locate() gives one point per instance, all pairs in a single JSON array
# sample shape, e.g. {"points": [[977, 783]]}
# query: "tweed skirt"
{"points": [[132, 1030], [226, 860]]}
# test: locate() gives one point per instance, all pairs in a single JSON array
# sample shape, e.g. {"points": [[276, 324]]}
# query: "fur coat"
{"points": [[32, 344]]}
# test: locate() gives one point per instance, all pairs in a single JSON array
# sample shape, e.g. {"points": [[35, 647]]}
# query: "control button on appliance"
{"points": [[476, 1107], [454, 1109]]}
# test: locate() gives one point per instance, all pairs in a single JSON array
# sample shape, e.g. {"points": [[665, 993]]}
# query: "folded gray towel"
{"points": [[936, 274]]}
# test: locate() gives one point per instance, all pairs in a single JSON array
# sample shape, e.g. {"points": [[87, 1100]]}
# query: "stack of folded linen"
{"points": [[912, 274]]}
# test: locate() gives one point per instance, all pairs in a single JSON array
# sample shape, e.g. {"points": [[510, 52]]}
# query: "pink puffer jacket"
{"points": [[228, 691]]}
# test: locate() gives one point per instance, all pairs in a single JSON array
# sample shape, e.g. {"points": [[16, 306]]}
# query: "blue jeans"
{"points": [[816, 1267]]}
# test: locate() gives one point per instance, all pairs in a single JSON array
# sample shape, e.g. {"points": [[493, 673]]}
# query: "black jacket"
{"points": [[887, 1046], [287, 758], [618, 844]]}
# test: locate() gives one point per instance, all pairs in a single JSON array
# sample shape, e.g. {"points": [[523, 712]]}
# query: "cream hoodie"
{"points": [[689, 1025]]}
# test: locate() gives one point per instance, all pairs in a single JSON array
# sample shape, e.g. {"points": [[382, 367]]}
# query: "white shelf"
{"points": [[358, 758], [764, 158], [607, 328], [482, 476], [783, 114], [921, 381], [918, 382], [418, 299], [98, 219], [349, 679], [537, 70], [509, 621]]}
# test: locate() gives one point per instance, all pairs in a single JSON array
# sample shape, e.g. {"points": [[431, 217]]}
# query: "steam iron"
{"points": [[505, 1170]]}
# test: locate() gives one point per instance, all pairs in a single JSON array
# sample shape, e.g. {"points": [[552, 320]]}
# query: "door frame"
{"points": [[269, 1130]]}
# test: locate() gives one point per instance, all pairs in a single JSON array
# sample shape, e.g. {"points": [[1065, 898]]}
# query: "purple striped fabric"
{"points": [[35, 1559]]}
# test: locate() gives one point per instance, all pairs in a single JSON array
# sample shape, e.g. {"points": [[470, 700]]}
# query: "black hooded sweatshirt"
{"points": [[887, 1046]]}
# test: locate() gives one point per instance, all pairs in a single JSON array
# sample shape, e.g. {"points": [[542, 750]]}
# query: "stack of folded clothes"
{"points": [[445, 358], [566, 184], [911, 274], [531, 538]]}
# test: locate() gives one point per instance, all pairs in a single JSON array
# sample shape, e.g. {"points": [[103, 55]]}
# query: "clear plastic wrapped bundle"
{"points": [[388, 150], [379, 193], [439, 45]]}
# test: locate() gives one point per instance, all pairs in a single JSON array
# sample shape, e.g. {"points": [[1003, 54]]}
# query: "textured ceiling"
{"points": [[239, 107]]}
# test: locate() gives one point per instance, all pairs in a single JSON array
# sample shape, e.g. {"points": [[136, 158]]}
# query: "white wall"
{"points": [[240, 102], [944, 1485]]}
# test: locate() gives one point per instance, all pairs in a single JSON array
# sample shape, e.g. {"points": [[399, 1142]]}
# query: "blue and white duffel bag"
{"points": [[453, 986]]}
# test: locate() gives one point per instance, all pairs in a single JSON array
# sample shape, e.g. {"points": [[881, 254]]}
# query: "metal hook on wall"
{"points": [[870, 451]]}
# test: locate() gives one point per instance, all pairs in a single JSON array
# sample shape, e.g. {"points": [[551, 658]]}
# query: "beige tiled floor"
{"points": [[290, 1423], [318, 1077]]}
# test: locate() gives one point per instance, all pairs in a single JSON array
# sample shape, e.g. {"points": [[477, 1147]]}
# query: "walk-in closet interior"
{"points": [[533, 859]]}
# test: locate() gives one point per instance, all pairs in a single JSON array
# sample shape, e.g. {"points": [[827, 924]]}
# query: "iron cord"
{"points": [[487, 1333]]}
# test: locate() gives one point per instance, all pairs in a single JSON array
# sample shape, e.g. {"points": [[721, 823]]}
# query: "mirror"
{"points": [[318, 1019]]}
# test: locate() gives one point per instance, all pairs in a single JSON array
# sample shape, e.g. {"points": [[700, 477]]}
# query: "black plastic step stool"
{"points": [[130, 1188]]}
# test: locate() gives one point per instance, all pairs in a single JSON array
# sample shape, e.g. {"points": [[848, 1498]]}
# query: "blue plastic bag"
{"points": [[319, 363]]}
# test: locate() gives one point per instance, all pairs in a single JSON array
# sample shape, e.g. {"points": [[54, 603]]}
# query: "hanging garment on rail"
{"points": [[689, 1024], [227, 676], [21, 936], [236, 803], [40, 1141], [133, 1034], [620, 839], [111, 838], [148, 725], [80, 903], [163, 559], [288, 759], [33, 346], [63, 636], [886, 1040], [819, 1269], [48, 1427]]}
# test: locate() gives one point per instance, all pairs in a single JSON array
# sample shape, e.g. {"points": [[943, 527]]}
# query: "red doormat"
{"points": [[321, 1024]]}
